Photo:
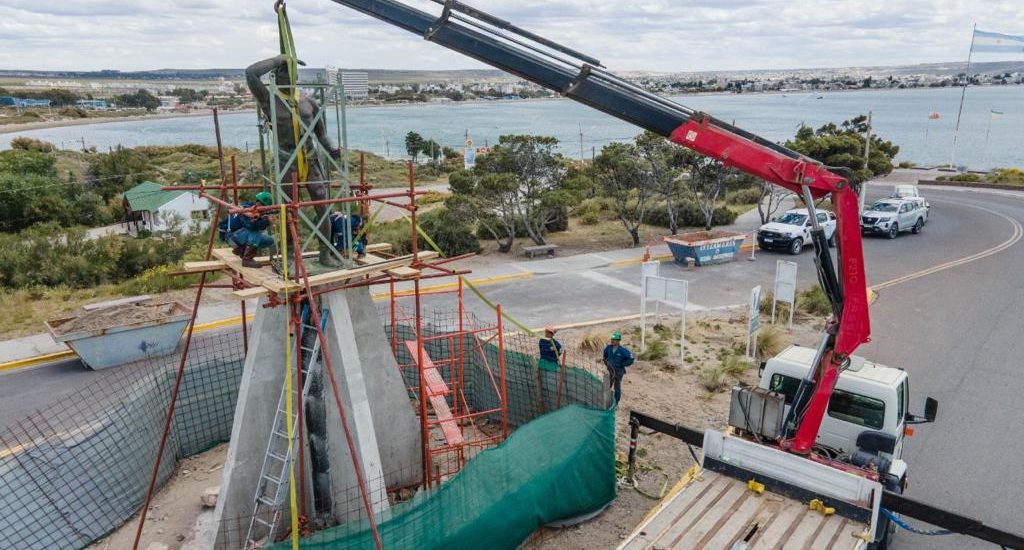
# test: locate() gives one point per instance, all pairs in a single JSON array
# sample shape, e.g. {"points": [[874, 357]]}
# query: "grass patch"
{"points": [[431, 197], [656, 350], [712, 380], [733, 366], [769, 341], [813, 301], [593, 342]]}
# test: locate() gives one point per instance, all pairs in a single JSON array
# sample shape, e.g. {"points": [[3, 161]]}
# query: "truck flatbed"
{"points": [[713, 511]]}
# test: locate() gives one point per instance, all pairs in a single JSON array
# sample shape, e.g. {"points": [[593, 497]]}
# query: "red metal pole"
{"points": [[412, 209], [501, 375], [424, 429], [394, 325], [181, 370]]}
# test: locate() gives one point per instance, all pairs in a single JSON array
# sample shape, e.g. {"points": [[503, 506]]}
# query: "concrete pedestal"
{"points": [[381, 420]]}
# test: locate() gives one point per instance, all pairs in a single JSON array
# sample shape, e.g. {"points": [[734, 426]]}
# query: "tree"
{"points": [[770, 200], [539, 173], [664, 160], [112, 173], [621, 175], [188, 95], [58, 97], [433, 150], [413, 145], [140, 99], [487, 199], [843, 146], [707, 181]]}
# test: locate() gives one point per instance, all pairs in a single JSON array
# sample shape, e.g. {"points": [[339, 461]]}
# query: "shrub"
{"points": [[431, 197], [1006, 175], [656, 350], [29, 144], [593, 342], [722, 216], [812, 300], [712, 380], [24, 162], [732, 366], [965, 177], [907, 164], [451, 234], [590, 218], [750, 195], [74, 112], [769, 341]]}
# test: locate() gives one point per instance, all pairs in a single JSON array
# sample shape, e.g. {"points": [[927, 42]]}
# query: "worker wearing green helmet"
{"points": [[616, 358], [246, 230]]}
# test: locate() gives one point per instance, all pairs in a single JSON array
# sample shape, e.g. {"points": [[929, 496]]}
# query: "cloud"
{"points": [[665, 35]]}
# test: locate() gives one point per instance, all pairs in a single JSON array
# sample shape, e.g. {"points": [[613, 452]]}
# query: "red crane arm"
{"points": [[580, 77]]}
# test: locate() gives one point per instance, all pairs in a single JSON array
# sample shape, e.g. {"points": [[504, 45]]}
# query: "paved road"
{"points": [[957, 331]]}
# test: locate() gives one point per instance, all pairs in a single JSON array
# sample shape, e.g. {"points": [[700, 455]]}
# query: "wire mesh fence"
{"points": [[73, 471]]}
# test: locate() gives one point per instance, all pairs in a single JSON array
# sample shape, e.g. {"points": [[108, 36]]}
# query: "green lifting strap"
{"points": [[292, 98]]}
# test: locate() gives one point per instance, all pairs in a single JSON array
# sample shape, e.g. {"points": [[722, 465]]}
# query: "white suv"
{"points": [[891, 216], [792, 231]]}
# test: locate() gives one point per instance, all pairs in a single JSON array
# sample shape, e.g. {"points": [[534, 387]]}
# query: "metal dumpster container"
{"points": [[705, 247], [119, 334]]}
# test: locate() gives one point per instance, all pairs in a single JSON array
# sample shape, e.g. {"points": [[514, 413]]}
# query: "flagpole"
{"points": [[963, 92]]}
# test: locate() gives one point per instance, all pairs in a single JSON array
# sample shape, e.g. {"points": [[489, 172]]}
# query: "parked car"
{"points": [[891, 216], [906, 191], [792, 231]]}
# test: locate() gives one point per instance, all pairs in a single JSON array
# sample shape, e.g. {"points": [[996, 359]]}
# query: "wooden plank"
{"points": [[686, 533], [247, 293], [378, 247], [740, 522], [254, 276], [773, 533], [349, 274], [403, 272], [707, 483], [199, 267], [805, 532], [265, 260]]}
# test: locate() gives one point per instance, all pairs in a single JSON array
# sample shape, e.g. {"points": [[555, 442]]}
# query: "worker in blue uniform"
{"points": [[250, 237], [550, 350], [342, 237], [617, 358]]}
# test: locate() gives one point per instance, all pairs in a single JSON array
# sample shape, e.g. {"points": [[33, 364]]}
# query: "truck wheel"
{"points": [[894, 229], [797, 246], [917, 226]]}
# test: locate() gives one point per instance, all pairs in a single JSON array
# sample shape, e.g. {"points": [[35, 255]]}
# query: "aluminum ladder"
{"points": [[272, 488]]}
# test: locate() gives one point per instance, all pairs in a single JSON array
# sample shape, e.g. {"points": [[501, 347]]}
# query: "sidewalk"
{"points": [[517, 269]]}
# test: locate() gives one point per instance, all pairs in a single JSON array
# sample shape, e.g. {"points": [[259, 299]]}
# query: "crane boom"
{"points": [[580, 77]]}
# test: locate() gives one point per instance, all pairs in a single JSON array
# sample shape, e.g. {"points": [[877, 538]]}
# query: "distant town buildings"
{"points": [[355, 83]]}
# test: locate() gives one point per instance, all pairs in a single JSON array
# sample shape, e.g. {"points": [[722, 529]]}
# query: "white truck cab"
{"points": [[792, 230], [868, 397]]}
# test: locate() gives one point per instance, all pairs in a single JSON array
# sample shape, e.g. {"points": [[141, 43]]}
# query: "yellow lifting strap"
{"points": [[292, 98], [292, 498]]}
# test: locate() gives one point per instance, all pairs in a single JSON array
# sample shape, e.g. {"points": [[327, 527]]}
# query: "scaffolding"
{"points": [[290, 279]]}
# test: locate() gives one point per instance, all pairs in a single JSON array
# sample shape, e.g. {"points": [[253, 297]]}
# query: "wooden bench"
{"points": [[532, 251]]}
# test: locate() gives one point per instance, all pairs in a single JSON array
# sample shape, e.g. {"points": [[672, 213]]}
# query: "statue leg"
{"points": [[318, 192]]}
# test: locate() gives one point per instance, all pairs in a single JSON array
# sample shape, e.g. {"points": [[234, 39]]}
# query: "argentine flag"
{"points": [[994, 42]]}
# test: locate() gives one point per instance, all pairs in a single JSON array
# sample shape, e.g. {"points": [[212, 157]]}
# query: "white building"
{"points": [[148, 207], [356, 83]]}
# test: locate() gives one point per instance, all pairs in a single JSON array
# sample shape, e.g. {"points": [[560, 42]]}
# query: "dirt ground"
{"points": [[663, 389], [176, 508], [660, 387]]}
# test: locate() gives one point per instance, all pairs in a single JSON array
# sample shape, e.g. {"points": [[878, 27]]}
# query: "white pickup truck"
{"points": [[749, 494]]}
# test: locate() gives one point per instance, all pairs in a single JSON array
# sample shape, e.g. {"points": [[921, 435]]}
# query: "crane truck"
{"points": [[781, 439]]}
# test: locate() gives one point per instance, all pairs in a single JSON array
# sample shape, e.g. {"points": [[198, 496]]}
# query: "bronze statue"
{"points": [[308, 109]]}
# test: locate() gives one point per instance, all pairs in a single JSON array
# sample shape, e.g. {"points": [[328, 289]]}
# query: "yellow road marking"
{"points": [[1018, 231], [452, 286]]}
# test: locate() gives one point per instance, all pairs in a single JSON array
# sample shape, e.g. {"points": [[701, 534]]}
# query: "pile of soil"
{"points": [[128, 314]]}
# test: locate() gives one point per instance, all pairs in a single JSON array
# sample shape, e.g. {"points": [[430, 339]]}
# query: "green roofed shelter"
{"points": [[149, 207]]}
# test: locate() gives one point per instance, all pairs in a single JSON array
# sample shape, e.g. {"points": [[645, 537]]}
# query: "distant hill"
{"points": [[378, 76], [409, 76]]}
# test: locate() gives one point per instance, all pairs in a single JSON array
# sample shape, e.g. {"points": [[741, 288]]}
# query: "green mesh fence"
{"points": [[558, 466]]}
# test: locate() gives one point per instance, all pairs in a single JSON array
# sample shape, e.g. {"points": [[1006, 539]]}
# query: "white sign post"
{"points": [[785, 287], [755, 320], [672, 291]]}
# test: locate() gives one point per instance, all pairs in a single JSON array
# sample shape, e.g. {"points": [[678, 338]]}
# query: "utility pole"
{"points": [[387, 149], [867, 150], [581, 141]]}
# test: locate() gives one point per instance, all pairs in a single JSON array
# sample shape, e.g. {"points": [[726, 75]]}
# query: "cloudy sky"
{"points": [[663, 35]]}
